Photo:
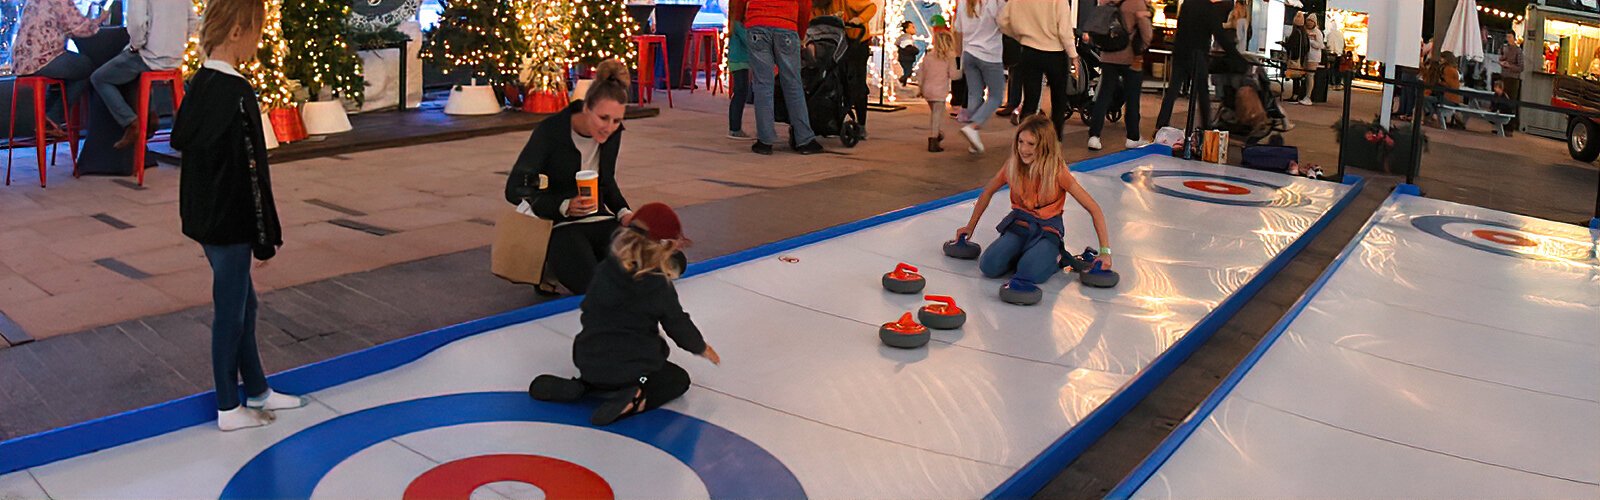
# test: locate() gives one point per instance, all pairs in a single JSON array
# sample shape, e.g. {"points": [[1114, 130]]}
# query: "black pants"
{"points": [[1120, 84], [856, 58], [1188, 69], [908, 62], [1055, 66], [1012, 52], [575, 250], [661, 387]]}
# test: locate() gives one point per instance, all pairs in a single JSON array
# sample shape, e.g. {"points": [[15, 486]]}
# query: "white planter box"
{"points": [[325, 117], [472, 100], [267, 132]]}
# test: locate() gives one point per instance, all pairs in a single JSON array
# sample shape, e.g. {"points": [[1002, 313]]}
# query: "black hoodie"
{"points": [[224, 187], [622, 322]]}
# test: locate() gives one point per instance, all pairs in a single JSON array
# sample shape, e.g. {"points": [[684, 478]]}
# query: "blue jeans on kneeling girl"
{"points": [[1036, 263]]}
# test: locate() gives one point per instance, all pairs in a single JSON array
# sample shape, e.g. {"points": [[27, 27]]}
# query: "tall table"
{"points": [[98, 157], [675, 21]]}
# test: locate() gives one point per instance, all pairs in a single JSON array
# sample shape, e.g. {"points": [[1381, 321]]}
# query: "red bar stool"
{"points": [[174, 79], [704, 54], [40, 87], [649, 46]]}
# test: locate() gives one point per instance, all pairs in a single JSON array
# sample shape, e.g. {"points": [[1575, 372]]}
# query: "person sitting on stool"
{"points": [[41, 48], [158, 30]]}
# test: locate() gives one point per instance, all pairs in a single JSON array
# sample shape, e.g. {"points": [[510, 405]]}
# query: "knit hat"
{"points": [[658, 221]]}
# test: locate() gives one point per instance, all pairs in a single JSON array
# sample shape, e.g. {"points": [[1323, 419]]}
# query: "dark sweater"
{"points": [[550, 151], [622, 320], [1198, 22], [224, 188]]}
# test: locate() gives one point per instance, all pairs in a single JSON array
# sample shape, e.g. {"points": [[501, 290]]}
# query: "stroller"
{"points": [[1247, 77], [822, 76]]}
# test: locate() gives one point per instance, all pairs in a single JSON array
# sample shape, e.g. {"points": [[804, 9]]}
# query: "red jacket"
{"points": [[785, 14]]}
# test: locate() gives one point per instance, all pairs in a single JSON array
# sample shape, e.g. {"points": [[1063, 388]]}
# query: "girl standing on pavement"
{"points": [[938, 69]]}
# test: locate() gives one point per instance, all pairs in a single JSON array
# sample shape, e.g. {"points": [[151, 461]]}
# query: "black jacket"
{"points": [[622, 322], [224, 188], [1198, 22], [550, 151]]}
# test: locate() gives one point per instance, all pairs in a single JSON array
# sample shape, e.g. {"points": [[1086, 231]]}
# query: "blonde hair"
{"points": [[222, 16], [641, 255], [610, 83], [944, 44], [1047, 160]]}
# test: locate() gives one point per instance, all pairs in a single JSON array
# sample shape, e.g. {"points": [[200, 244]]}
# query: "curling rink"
{"points": [[807, 403], [1450, 352]]}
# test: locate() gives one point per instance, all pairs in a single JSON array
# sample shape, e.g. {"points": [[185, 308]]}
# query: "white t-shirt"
{"points": [[589, 151], [980, 36]]}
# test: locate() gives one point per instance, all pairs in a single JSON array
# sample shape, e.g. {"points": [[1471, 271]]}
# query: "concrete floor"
{"points": [[729, 198]]}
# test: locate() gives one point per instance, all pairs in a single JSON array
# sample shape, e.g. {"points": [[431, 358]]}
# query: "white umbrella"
{"points": [[1464, 38]]}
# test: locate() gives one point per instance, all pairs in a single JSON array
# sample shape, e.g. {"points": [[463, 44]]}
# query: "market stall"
{"points": [[1562, 37]]}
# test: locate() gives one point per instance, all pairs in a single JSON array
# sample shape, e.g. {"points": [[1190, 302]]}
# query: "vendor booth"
{"points": [[1562, 37]]}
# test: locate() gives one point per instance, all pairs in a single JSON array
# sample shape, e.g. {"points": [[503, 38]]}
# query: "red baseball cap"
{"points": [[659, 221]]}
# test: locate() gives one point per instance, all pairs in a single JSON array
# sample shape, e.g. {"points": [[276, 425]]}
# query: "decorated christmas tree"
{"points": [[480, 38], [601, 29], [320, 56], [546, 31], [266, 71]]}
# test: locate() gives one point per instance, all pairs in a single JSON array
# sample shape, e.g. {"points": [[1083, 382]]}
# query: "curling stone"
{"points": [[960, 248], [943, 314], [1099, 278], [904, 334], [904, 279], [1080, 263], [1021, 292]]}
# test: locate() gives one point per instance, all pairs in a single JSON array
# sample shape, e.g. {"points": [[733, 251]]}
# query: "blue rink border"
{"points": [[1169, 446], [115, 430]]}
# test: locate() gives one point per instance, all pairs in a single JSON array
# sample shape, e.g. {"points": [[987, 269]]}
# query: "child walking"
{"points": [[938, 69], [225, 203], [1030, 236], [907, 52], [620, 352]]}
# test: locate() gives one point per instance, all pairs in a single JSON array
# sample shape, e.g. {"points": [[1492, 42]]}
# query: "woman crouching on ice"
{"points": [[620, 352], [1030, 237]]}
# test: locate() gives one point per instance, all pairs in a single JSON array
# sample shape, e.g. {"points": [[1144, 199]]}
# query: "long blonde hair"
{"points": [[641, 255], [1047, 160], [944, 45]]}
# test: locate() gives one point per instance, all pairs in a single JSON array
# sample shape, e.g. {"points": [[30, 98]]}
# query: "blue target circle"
{"points": [[1145, 179], [1435, 225], [729, 465]]}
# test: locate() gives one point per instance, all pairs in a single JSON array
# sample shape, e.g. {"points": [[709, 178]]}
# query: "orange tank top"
{"points": [[1030, 198]]}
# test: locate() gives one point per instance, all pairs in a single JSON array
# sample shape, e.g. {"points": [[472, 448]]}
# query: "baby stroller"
{"points": [[821, 74], [1247, 77]]}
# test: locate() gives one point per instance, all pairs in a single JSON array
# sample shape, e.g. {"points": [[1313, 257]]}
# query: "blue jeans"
{"points": [[70, 67], [233, 329], [107, 80], [983, 77], [771, 47], [1036, 263], [1117, 81], [740, 81]]}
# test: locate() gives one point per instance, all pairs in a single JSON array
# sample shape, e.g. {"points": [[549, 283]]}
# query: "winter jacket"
{"points": [[622, 319], [224, 186], [852, 12], [936, 74], [791, 15], [1043, 25], [1136, 19], [550, 152]]}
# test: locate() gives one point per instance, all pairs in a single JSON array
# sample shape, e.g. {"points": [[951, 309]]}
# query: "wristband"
{"points": [[1105, 250]]}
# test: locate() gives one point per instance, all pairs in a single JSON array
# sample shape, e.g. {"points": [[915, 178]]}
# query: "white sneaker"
{"points": [[1135, 143], [273, 400], [243, 418], [1094, 143], [738, 135], [972, 138], [1305, 102]]}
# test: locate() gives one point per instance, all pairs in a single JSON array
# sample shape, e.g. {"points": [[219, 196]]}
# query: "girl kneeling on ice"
{"points": [[1030, 237], [620, 351]]}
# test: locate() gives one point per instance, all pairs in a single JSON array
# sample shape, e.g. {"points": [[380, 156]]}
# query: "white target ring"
{"points": [[1506, 239], [1215, 189]]}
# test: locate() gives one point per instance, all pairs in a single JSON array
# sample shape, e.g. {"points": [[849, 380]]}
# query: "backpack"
{"points": [[1106, 28]]}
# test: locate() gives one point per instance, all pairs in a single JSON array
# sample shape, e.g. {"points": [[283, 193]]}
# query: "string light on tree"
{"points": [[601, 29], [481, 38], [547, 33], [265, 72], [321, 57]]}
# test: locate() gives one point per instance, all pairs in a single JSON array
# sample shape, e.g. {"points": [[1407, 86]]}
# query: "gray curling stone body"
{"points": [[938, 321], [904, 286], [962, 249], [1024, 298], [892, 338], [1100, 279]]}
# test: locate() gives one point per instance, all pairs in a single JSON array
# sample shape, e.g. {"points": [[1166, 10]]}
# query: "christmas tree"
{"points": [[602, 29], [321, 57], [546, 30], [266, 71], [481, 38]]}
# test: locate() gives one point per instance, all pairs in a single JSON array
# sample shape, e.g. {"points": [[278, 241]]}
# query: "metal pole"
{"points": [[1344, 126], [1597, 200], [1188, 129], [1416, 136]]}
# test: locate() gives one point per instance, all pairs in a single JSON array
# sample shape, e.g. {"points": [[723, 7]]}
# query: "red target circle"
{"points": [[1216, 188], [559, 479], [1504, 238]]}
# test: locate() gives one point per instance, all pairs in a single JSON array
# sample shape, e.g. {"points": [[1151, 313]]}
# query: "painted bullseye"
{"points": [[1216, 188], [559, 479], [1504, 238]]}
